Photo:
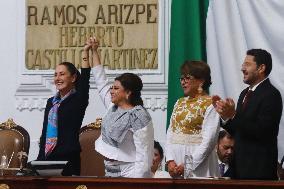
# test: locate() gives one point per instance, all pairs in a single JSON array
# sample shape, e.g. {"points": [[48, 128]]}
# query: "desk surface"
{"points": [[20, 182]]}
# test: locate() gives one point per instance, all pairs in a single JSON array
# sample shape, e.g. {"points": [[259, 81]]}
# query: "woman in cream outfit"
{"points": [[194, 125]]}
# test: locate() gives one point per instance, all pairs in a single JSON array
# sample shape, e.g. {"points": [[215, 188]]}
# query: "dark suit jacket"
{"points": [[70, 116], [255, 130], [228, 173]]}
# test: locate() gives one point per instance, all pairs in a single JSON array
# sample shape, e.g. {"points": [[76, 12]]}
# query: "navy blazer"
{"points": [[255, 130], [70, 116]]}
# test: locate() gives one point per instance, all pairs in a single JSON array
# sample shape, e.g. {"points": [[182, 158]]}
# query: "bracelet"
{"points": [[85, 58]]}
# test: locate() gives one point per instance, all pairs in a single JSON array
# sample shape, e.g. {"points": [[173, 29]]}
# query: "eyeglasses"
{"points": [[186, 78]]}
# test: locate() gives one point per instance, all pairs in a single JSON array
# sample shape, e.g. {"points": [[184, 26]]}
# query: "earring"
{"points": [[200, 89]]}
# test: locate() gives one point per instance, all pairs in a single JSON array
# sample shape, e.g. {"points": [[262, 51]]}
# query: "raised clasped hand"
{"points": [[91, 43]]}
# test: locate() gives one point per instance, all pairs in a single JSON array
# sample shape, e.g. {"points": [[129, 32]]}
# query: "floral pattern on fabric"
{"points": [[188, 114]]}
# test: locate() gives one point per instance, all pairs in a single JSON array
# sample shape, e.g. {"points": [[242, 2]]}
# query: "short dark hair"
{"points": [[223, 134], [261, 56], [198, 69], [159, 148], [73, 70], [132, 83]]}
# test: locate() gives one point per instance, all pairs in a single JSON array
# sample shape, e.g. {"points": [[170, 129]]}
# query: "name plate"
{"points": [[127, 30]]}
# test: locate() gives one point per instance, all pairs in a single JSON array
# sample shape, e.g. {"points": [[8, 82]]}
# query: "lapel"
{"points": [[255, 95], [67, 99], [241, 98]]}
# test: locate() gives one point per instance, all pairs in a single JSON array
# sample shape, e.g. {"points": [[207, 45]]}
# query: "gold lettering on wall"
{"points": [[126, 29]]}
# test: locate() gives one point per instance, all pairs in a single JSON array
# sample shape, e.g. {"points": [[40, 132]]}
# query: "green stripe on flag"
{"points": [[187, 42]]}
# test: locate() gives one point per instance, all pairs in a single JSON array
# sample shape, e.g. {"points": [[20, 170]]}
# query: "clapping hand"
{"points": [[225, 108]]}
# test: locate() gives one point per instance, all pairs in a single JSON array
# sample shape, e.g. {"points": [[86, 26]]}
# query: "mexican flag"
{"points": [[220, 32]]}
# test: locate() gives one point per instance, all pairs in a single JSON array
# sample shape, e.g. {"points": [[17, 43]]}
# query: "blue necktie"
{"points": [[222, 169]]}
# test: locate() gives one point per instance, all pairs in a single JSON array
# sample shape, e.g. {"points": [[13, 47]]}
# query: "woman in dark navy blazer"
{"points": [[64, 114]]}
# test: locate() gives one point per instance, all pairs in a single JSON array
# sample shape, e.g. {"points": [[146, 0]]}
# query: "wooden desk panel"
{"points": [[124, 183]]}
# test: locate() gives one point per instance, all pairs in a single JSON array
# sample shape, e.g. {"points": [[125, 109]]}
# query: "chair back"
{"points": [[92, 162], [14, 144]]}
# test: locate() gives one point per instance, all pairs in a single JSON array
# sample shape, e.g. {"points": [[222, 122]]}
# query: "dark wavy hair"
{"points": [[159, 148], [261, 56], [73, 71], [223, 134], [133, 83], [198, 69]]}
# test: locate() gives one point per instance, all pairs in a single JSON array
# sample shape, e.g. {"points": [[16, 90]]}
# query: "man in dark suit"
{"points": [[225, 149], [255, 122]]}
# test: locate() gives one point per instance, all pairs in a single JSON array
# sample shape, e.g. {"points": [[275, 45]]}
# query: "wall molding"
{"points": [[31, 103]]}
